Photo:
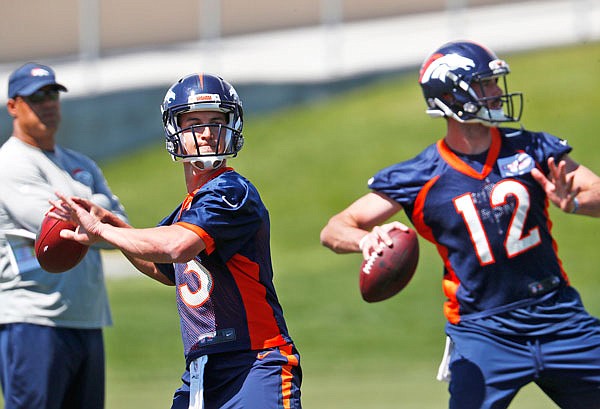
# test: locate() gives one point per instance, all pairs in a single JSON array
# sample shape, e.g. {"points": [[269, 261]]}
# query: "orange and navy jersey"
{"points": [[225, 295], [487, 217]]}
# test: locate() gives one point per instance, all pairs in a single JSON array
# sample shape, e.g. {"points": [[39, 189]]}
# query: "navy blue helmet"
{"points": [[203, 92], [450, 76]]}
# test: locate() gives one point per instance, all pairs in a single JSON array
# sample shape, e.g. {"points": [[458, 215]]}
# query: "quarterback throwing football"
{"points": [[480, 195], [215, 249]]}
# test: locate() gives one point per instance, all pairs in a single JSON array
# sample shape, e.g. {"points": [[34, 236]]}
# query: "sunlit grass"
{"points": [[309, 162]]}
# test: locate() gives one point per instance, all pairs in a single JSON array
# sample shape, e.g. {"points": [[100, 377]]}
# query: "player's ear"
{"points": [[11, 107]]}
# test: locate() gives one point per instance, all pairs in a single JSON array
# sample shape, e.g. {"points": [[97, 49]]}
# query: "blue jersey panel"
{"points": [[488, 219]]}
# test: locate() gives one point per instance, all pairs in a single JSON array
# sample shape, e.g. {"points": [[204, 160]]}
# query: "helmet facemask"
{"points": [[494, 109], [189, 144]]}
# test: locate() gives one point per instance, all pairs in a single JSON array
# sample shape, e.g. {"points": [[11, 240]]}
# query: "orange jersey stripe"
{"points": [[262, 327], [450, 282], [209, 243]]}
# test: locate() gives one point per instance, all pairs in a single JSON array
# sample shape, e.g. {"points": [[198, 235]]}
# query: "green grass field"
{"points": [[309, 162]]}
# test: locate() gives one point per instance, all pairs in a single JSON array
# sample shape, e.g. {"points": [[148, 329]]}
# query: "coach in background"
{"points": [[51, 343], [481, 195]]}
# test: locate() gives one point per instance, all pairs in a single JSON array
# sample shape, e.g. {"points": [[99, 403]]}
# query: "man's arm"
{"points": [[142, 247], [361, 222], [163, 244]]}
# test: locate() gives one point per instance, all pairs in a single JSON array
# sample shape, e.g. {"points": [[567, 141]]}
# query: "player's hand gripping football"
{"points": [[379, 237], [85, 214], [557, 185]]}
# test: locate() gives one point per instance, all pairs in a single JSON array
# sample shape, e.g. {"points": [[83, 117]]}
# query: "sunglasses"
{"points": [[42, 95]]}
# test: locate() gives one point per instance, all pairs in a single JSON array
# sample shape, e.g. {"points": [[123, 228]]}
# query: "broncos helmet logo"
{"points": [[169, 97], [438, 66], [234, 95]]}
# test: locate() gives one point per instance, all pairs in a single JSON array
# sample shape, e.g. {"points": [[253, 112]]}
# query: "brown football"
{"points": [[54, 253], [384, 275]]}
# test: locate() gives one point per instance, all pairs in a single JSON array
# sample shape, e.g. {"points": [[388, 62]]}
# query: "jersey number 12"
{"points": [[516, 241]]}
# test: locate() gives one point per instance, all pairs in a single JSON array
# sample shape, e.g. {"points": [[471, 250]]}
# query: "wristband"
{"points": [[575, 205]]}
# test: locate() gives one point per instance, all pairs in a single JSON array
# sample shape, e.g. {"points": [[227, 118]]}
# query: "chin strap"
{"points": [[210, 164]]}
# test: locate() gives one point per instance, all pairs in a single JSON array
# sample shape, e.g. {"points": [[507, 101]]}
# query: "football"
{"points": [[54, 253], [384, 275]]}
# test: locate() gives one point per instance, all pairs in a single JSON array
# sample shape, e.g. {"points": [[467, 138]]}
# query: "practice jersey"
{"points": [[225, 295], [488, 219]]}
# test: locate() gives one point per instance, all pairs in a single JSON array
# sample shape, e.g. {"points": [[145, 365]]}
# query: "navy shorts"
{"points": [[265, 379], [51, 368], [488, 370]]}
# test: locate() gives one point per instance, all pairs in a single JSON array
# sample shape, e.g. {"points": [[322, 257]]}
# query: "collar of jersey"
{"points": [[457, 163], [190, 196]]}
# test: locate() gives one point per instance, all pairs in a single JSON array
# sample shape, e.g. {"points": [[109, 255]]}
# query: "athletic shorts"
{"points": [[265, 379], [487, 370], [51, 368]]}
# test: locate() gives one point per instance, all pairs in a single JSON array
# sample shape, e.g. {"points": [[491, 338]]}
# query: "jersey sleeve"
{"points": [[545, 146], [403, 181]]}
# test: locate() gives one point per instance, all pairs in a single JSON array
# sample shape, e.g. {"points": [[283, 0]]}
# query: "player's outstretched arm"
{"points": [[93, 214], [143, 247]]}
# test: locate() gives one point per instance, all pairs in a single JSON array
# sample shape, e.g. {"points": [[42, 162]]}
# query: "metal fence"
{"points": [[91, 29]]}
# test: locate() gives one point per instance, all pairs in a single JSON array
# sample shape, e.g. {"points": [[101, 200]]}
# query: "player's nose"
{"points": [[205, 132]]}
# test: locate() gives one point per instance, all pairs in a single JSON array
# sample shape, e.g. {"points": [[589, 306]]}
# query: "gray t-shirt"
{"points": [[29, 177]]}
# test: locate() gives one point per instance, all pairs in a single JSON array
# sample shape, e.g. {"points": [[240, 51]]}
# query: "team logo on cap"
{"points": [[39, 72]]}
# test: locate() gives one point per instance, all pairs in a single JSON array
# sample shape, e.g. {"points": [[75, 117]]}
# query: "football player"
{"points": [[480, 195], [215, 249]]}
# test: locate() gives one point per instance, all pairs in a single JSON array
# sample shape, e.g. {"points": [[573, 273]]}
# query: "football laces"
{"points": [[370, 262]]}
